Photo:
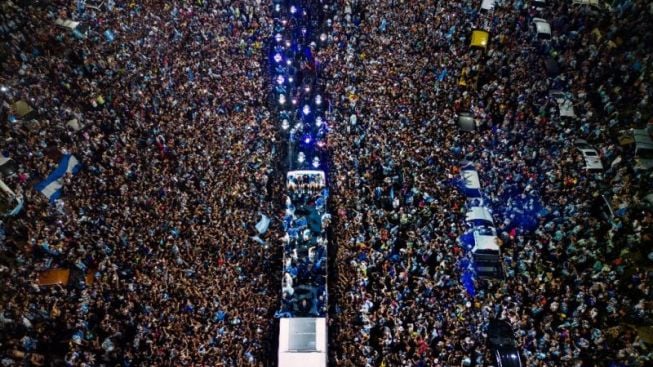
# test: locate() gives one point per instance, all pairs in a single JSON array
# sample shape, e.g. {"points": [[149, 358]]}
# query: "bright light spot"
{"points": [[307, 89], [278, 37], [301, 157], [288, 44], [291, 79], [277, 7], [284, 124], [318, 121], [306, 109], [3, 89], [304, 30], [318, 100], [294, 101], [321, 144], [293, 9], [307, 139], [288, 62], [278, 57], [282, 99], [316, 162], [323, 37], [280, 79]]}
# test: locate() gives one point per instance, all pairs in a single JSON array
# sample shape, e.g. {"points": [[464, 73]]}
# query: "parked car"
{"points": [[542, 28], [501, 343], [590, 155]]}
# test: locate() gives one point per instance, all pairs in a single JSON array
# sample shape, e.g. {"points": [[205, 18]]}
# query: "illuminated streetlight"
{"points": [[278, 57], [306, 109]]}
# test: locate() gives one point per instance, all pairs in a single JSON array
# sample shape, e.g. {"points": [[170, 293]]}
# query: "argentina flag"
{"points": [[51, 186]]}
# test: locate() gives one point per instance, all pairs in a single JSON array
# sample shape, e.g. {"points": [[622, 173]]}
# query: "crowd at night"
{"points": [[146, 251]]}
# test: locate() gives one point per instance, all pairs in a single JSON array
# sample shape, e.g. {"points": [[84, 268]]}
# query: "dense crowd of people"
{"points": [[575, 283], [176, 147], [172, 125]]}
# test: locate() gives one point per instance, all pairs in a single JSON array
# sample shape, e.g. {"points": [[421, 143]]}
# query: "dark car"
{"points": [[502, 344]]}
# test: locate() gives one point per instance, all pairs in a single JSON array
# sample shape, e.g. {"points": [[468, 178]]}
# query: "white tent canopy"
{"points": [[302, 342]]}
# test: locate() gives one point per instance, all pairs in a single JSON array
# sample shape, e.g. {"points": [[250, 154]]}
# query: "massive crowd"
{"points": [[178, 149], [176, 146], [575, 283]]}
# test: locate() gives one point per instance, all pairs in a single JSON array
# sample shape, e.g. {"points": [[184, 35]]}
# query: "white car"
{"points": [[590, 155], [542, 27], [565, 103]]}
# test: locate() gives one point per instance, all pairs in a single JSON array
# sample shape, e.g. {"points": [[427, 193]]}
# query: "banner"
{"points": [[52, 185]]}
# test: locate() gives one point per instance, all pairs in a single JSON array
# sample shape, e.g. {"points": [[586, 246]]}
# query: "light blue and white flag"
{"points": [[51, 186], [263, 224]]}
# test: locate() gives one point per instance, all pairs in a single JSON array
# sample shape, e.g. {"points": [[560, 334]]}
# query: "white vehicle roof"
{"points": [[471, 179], [302, 342], [487, 4], [590, 155], [542, 26], [565, 103], [485, 243], [478, 213]]}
